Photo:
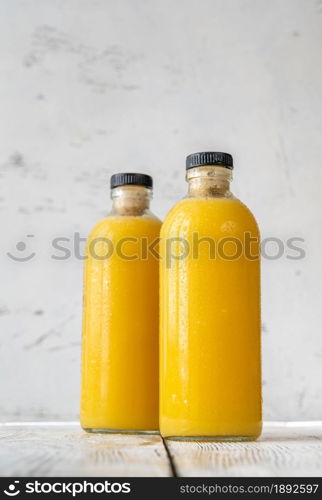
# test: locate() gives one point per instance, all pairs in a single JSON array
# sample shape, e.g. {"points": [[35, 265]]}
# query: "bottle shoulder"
{"points": [[209, 214], [113, 226]]}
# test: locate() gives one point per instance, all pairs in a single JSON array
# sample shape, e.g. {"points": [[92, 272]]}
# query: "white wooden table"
{"points": [[64, 449]]}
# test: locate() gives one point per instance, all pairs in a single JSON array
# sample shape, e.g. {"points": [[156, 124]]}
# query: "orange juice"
{"points": [[210, 370], [120, 320]]}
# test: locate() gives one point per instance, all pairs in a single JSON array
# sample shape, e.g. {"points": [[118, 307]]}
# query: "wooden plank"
{"points": [[66, 450], [53, 449], [283, 450]]}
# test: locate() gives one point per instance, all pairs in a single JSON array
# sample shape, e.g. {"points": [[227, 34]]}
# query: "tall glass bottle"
{"points": [[210, 368], [120, 321]]}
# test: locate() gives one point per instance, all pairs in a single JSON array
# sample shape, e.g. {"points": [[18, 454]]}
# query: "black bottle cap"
{"points": [[129, 179], [209, 158]]}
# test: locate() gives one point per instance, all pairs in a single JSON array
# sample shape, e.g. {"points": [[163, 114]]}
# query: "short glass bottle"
{"points": [[120, 319]]}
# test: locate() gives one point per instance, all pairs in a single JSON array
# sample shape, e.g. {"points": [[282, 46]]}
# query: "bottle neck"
{"points": [[130, 200], [209, 182]]}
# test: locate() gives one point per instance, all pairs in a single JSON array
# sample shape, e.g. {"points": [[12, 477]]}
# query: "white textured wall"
{"points": [[91, 87]]}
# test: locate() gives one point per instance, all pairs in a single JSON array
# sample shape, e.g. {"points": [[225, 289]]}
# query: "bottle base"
{"points": [[118, 431], [212, 438]]}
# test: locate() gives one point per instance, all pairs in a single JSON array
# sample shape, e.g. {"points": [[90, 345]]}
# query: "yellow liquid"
{"points": [[120, 329], [210, 370]]}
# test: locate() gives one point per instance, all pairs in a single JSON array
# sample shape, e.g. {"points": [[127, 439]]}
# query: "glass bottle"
{"points": [[120, 319], [210, 363]]}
